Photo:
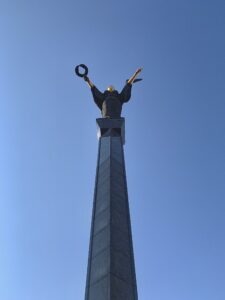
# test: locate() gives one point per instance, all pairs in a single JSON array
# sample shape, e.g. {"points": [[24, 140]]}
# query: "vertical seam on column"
{"points": [[129, 227], [110, 213], [92, 226]]}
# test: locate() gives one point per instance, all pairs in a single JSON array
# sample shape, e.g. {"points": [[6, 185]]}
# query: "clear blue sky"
{"points": [[175, 143]]}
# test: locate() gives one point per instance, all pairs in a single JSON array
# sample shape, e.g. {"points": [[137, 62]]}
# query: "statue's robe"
{"points": [[110, 103]]}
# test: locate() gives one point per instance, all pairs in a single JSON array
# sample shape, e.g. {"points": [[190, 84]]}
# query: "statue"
{"points": [[110, 102]]}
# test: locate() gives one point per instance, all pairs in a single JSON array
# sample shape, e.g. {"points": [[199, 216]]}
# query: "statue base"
{"points": [[111, 127]]}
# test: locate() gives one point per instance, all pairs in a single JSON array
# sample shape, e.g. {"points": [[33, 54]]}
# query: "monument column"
{"points": [[111, 270]]}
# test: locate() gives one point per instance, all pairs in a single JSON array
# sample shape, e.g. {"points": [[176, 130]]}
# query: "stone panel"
{"points": [[116, 149], [104, 149], [100, 266], [99, 290], [121, 266], [101, 221], [119, 202], [104, 167], [120, 290], [116, 167], [103, 189], [100, 241], [120, 242], [102, 202], [119, 221], [103, 181], [117, 188]]}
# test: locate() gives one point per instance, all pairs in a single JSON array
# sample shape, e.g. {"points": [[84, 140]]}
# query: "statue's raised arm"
{"points": [[126, 91], [84, 74], [90, 84], [133, 77]]}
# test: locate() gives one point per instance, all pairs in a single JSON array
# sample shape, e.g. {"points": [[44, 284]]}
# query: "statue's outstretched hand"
{"points": [[132, 79], [138, 71]]}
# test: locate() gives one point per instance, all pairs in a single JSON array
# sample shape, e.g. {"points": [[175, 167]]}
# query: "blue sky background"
{"points": [[175, 143]]}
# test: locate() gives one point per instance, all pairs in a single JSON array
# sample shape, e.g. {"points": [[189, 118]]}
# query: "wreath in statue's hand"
{"points": [[84, 67]]}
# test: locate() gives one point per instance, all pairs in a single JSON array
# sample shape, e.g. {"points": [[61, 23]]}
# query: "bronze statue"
{"points": [[110, 102]]}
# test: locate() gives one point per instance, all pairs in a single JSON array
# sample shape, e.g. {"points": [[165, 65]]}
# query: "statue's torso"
{"points": [[112, 105]]}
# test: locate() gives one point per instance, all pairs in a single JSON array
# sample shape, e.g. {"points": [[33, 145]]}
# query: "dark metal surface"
{"points": [[110, 103]]}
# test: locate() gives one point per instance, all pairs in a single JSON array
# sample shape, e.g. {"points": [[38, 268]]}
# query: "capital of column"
{"points": [[111, 127]]}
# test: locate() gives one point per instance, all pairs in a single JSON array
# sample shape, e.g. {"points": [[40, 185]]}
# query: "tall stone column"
{"points": [[111, 270]]}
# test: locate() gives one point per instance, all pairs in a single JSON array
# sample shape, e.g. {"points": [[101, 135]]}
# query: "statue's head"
{"points": [[110, 88]]}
